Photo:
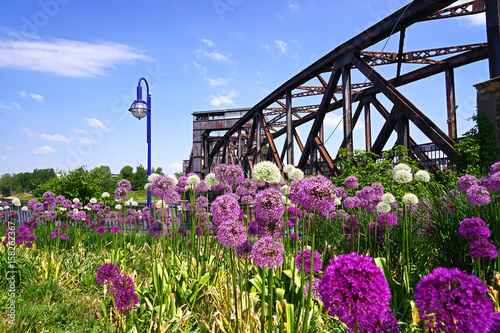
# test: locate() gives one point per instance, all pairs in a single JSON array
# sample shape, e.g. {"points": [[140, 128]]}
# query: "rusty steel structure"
{"points": [[329, 80]]}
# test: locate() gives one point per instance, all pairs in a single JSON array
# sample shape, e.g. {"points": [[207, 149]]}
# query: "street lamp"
{"points": [[139, 110]]}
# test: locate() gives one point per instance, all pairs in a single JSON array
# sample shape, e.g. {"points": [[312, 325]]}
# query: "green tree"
{"points": [[158, 170], [140, 179], [178, 174], [126, 172], [24, 182], [6, 184], [108, 182]]}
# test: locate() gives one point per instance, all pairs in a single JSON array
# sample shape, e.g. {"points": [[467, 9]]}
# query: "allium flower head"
{"points": [[483, 248], [48, 196], [491, 182], [171, 198], [495, 167], [201, 187], [478, 195], [351, 202], [152, 176], [193, 180], [105, 195], [230, 174], [295, 174], [266, 171], [121, 283], [410, 199], [161, 185], [268, 205], [106, 273], [401, 167], [355, 289], [315, 194], [351, 182], [285, 190], [101, 230], [156, 229], [16, 202], [306, 257], [267, 253], [173, 178], [210, 180], [225, 208], [288, 168], [387, 219], [402, 176], [388, 198], [121, 193], [115, 229], [452, 301], [466, 181], [202, 202], [383, 207], [231, 233], [315, 288], [126, 301], [422, 176], [474, 228], [247, 187], [244, 250], [125, 184]]}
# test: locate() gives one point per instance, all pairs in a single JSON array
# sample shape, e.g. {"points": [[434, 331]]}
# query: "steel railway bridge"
{"points": [[238, 136]]}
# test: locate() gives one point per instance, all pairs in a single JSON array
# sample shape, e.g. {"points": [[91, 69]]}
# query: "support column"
{"points": [[239, 145], [493, 33], [451, 103], [403, 132], [346, 95], [258, 138], [289, 136], [368, 128]]}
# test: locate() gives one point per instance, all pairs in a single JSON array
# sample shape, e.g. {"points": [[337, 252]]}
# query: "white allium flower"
{"points": [[422, 176], [152, 176], [193, 180], [210, 180], [401, 166], [134, 203], [75, 210], [338, 202], [128, 202], [388, 198], [287, 201], [25, 208], [161, 204], [87, 208], [16, 202], [75, 200], [93, 201], [147, 187], [285, 190], [296, 174], [267, 172], [410, 199], [1, 209], [402, 176], [118, 207], [288, 168], [62, 209], [6, 207], [383, 207], [173, 178], [190, 187], [105, 195]]}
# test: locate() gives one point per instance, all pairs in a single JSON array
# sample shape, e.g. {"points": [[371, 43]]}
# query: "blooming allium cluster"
{"points": [[401, 173], [410, 199], [122, 288], [106, 273], [210, 180], [225, 208], [266, 171], [231, 233], [387, 219], [156, 229], [483, 248], [314, 194], [303, 261], [295, 174], [478, 232], [315, 288], [351, 182], [161, 185], [478, 195], [229, 173], [201, 202], [355, 290], [466, 181], [125, 184], [422, 176], [201, 187], [452, 301], [121, 193], [267, 253], [244, 250], [247, 187], [269, 205]]}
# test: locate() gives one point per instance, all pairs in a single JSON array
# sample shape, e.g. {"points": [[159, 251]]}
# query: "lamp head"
{"points": [[139, 109]]}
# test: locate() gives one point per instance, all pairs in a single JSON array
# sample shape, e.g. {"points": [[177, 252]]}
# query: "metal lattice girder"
{"points": [[468, 8]]}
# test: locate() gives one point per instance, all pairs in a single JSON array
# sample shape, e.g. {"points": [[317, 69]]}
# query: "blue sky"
{"points": [[69, 69]]}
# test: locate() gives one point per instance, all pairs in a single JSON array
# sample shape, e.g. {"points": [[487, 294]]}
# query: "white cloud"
{"points": [[216, 55], [472, 20], [17, 106], [96, 123], [65, 57], [217, 82], [172, 168], [4, 106], [8, 148], [50, 137], [84, 139], [223, 99], [333, 120], [77, 130], [208, 42], [44, 150], [267, 48], [24, 94], [293, 5], [3, 157], [37, 97], [282, 46], [201, 68]]}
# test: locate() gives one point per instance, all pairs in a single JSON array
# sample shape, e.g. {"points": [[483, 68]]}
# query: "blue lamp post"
{"points": [[140, 109]]}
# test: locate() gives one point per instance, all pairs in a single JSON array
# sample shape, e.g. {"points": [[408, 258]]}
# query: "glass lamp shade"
{"points": [[139, 109]]}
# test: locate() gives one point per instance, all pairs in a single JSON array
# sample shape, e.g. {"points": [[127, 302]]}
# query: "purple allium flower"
{"points": [[225, 208], [231, 233], [483, 248], [378, 189], [314, 194], [253, 228], [495, 328], [229, 174], [244, 250], [495, 167], [66, 203], [355, 289], [351, 202], [294, 236], [247, 187], [124, 183], [156, 229], [59, 199], [315, 288], [493, 182], [306, 257], [466, 181], [247, 200], [368, 193], [202, 202], [269, 205], [340, 192], [350, 226], [474, 228], [121, 283], [387, 219], [101, 230], [126, 301], [452, 301], [106, 273], [64, 236], [267, 253], [48, 196], [171, 198], [181, 232], [121, 193], [478, 195], [162, 185], [351, 182], [201, 187], [115, 229], [182, 181]]}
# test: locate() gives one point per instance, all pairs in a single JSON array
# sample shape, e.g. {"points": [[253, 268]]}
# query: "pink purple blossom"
{"points": [[231, 233], [267, 253], [483, 248], [305, 266], [351, 182], [269, 205], [106, 273], [466, 181], [474, 228], [225, 208], [478, 195]]}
